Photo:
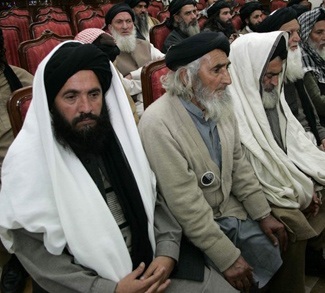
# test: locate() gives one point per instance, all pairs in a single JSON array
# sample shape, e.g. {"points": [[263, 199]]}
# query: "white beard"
{"points": [[125, 43], [217, 104], [321, 52], [270, 99], [190, 29], [294, 65]]}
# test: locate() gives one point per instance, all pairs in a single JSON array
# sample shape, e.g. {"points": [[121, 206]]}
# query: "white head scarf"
{"points": [[284, 176], [46, 189]]}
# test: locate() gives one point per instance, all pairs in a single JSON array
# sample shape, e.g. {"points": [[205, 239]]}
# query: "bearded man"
{"points": [[192, 142], [288, 165], [296, 94], [251, 14], [82, 218], [312, 27], [134, 52], [219, 20], [182, 21], [143, 22]]}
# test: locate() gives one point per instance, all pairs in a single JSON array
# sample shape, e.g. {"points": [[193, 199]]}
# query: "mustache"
{"points": [[84, 116]]}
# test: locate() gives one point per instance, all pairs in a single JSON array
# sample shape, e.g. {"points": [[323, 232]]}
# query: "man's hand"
{"points": [[314, 206], [322, 145], [130, 283], [276, 232], [240, 275], [160, 262]]}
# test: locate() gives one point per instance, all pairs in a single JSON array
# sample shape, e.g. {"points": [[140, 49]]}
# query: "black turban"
{"points": [[275, 20], [116, 9], [176, 5], [133, 3], [248, 8], [216, 7], [71, 58], [194, 47]]}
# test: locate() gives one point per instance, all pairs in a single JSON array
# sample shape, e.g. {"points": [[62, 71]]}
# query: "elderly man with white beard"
{"points": [[295, 92], [119, 22], [288, 165], [143, 22], [312, 27], [192, 142]]}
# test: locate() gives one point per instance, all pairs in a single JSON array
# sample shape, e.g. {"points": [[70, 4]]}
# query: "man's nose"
{"points": [[84, 105]]}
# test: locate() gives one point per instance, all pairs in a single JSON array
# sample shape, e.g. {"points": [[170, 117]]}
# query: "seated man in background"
{"points": [[11, 78], [135, 52], [191, 138], [312, 32], [296, 95], [82, 219], [143, 22], [251, 14], [183, 22], [219, 20], [288, 165]]}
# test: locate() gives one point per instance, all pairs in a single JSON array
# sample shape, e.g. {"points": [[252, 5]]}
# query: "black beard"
{"points": [[84, 141], [142, 23], [253, 26]]}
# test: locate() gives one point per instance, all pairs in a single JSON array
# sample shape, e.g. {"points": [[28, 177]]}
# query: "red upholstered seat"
{"points": [[158, 4], [153, 10], [17, 107], [201, 20], [162, 15], [105, 7], [94, 21], [54, 15], [32, 52], [158, 34], [150, 79], [47, 9], [73, 11], [274, 5], [19, 11], [236, 21], [12, 40], [21, 21], [59, 27]]}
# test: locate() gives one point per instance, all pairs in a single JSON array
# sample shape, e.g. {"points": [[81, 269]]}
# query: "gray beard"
{"points": [[125, 43], [142, 24], [190, 29], [294, 69], [217, 104], [270, 99], [321, 53]]}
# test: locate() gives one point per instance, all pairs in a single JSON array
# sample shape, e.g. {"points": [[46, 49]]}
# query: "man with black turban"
{"points": [[251, 14], [192, 142], [135, 53], [182, 21], [219, 20], [82, 215], [143, 21]]}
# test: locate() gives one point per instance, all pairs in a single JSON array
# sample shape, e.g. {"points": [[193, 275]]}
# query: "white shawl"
{"points": [[46, 189], [281, 175]]}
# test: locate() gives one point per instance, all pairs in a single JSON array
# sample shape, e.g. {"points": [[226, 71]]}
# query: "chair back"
{"points": [[153, 10], [50, 8], [276, 4], [17, 107], [150, 79], [12, 40], [105, 7], [73, 11], [21, 21], [53, 14], [59, 27], [201, 5], [158, 4], [158, 33], [94, 21], [163, 15], [202, 20], [19, 11], [32, 52], [236, 21]]}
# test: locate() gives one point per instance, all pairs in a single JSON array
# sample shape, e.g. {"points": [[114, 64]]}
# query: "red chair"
{"points": [[201, 20], [158, 4], [21, 21], [50, 8], [17, 107], [32, 52], [12, 40], [274, 5], [105, 7], [59, 27], [19, 11], [158, 34], [73, 11], [94, 21], [201, 5], [236, 21], [53, 14], [150, 79], [162, 15], [153, 10]]}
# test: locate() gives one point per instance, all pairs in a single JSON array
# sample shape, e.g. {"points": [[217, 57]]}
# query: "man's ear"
{"points": [[177, 18], [183, 76]]}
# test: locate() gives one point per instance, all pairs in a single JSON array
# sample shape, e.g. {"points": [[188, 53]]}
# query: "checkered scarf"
{"points": [[312, 61]]}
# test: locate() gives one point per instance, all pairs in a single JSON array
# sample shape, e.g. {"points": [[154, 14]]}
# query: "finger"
{"points": [[273, 239], [239, 285], [283, 239], [150, 270], [157, 277], [153, 288], [164, 286], [247, 284], [138, 271]]}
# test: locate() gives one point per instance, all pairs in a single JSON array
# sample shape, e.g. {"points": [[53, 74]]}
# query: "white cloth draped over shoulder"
{"points": [[46, 189], [282, 175]]}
